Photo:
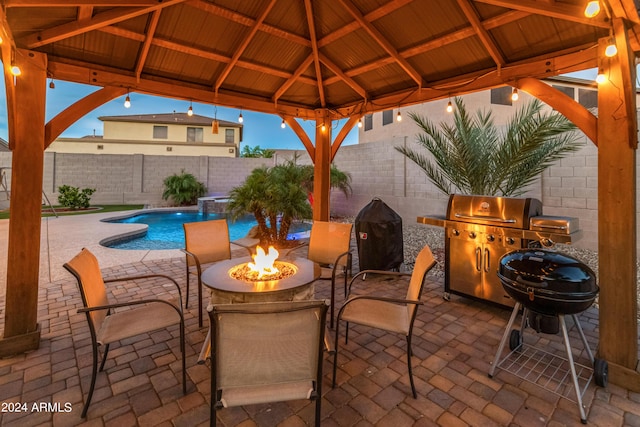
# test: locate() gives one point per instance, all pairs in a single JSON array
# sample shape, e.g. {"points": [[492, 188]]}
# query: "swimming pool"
{"points": [[165, 229]]}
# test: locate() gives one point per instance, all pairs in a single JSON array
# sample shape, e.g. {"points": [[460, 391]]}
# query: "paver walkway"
{"points": [[455, 342]]}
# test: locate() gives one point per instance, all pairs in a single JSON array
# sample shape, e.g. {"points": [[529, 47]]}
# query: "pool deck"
{"points": [[454, 345]]}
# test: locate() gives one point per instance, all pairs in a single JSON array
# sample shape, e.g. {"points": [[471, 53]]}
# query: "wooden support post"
{"points": [[617, 143], [322, 168], [21, 330]]}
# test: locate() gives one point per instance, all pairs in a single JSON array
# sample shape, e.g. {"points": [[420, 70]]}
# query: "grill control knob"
{"points": [[511, 240], [455, 232], [472, 234], [491, 238]]}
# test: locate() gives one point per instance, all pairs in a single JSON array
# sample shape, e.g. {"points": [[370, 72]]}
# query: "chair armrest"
{"points": [[379, 272], [131, 303], [295, 248], [195, 258], [147, 276], [385, 299], [249, 247]]}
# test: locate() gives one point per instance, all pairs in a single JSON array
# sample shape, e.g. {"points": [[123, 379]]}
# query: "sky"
{"points": [[260, 129]]}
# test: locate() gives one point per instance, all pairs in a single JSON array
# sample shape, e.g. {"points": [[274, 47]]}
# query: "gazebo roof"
{"points": [[293, 57]]}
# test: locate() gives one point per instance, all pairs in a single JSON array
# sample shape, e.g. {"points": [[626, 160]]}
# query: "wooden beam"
{"points": [[304, 138], [103, 19], [291, 80], [314, 51], [565, 105], [243, 46], [481, 32], [617, 253], [348, 80], [73, 113], [346, 128], [151, 31], [556, 10], [382, 41], [23, 255], [322, 167], [79, 3]]}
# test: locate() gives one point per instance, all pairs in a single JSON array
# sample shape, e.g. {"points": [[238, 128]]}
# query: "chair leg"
{"points": [[104, 357], [186, 304], [333, 298], [335, 355], [94, 373], [318, 410], [199, 302], [409, 354], [184, 362]]}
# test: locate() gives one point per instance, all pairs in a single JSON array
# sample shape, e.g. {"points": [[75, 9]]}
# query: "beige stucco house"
{"points": [[172, 134]]}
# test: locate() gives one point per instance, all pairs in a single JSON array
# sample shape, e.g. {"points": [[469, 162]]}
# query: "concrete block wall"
{"points": [[568, 188]]}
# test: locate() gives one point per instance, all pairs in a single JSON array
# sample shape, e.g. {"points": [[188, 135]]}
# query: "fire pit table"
{"points": [[226, 289]]}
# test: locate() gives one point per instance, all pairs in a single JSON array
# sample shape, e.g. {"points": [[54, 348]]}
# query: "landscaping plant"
{"points": [[184, 189], [74, 198], [473, 156]]}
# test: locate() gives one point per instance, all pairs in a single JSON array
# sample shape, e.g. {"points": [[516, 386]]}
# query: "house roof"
{"points": [[293, 57], [169, 118]]}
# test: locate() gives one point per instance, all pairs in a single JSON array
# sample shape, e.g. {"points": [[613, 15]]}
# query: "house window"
{"points": [[567, 90], [501, 95], [160, 132], [387, 117], [194, 134], [368, 122], [588, 98], [229, 136]]}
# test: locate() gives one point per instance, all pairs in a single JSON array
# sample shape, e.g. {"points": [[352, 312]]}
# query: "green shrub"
{"points": [[73, 197], [184, 189]]}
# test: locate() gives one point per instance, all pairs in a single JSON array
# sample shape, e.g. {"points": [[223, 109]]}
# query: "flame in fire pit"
{"points": [[263, 263]]}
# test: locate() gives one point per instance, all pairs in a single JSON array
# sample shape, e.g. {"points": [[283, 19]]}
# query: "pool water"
{"points": [[165, 229]]}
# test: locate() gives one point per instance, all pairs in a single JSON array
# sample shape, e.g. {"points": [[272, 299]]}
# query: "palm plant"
{"points": [[277, 196], [184, 189], [472, 156]]}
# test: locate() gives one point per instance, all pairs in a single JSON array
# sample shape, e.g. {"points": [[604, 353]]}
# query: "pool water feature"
{"points": [[165, 229]]}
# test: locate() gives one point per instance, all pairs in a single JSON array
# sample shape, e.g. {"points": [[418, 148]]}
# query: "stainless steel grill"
{"points": [[479, 230]]}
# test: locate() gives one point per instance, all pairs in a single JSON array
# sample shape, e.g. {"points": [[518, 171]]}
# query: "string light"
{"points": [[323, 127], [283, 125], [601, 78], [399, 117], [190, 110], [15, 70], [514, 94], [449, 107], [127, 101], [240, 118], [360, 123], [611, 49], [592, 9]]}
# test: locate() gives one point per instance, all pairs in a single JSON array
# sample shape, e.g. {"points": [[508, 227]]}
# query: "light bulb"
{"points": [[15, 70], [323, 127], [601, 78], [127, 102], [190, 111], [611, 49], [514, 95], [283, 125], [592, 9], [240, 118], [449, 107], [360, 123], [399, 117]]}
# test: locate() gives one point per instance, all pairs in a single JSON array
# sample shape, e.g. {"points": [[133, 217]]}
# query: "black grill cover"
{"points": [[548, 282], [379, 237]]}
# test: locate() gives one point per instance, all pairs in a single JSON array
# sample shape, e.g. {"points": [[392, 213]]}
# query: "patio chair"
{"points": [[266, 352], [205, 242], [107, 325], [390, 314], [329, 246]]}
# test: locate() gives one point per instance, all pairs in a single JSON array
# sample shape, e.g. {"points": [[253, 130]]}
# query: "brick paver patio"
{"points": [[454, 344]]}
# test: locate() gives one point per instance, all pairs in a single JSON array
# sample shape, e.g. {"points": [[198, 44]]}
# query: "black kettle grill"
{"points": [[548, 282], [548, 285]]}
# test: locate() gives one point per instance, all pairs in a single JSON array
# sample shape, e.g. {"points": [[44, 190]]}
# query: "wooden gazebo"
{"points": [[324, 60]]}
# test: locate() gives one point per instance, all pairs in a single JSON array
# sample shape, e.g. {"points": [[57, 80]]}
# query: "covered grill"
{"points": [[479, 230]]}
